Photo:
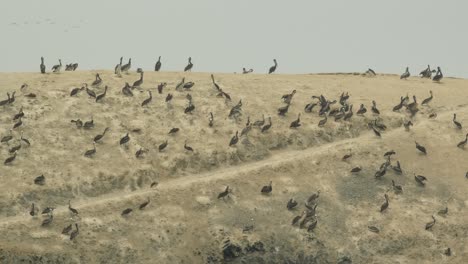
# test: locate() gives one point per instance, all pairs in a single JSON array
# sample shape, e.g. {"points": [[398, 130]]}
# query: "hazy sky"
{"points": [[223, 36]]}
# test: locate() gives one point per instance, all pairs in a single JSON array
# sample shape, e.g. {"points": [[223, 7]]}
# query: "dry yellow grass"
{"points": [[185, 222]]}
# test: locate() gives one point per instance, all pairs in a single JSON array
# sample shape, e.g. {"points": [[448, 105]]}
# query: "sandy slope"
{"points": [[184, 222]]}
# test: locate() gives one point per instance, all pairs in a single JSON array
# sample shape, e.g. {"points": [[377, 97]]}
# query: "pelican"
{"points": [[157, 66], [406, 74], [273, 68], [56, 68], [189, 65], [42, 66]]}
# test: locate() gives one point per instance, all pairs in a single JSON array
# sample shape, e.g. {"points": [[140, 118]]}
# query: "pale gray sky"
{"points": [[224, 36]]}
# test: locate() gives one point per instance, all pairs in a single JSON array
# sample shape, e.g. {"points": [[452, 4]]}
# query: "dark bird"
{"points": [[283, 110], [97, 82], [56, 68], [14, 148], [407, 125], [374, 108], [157, 66], [406, 74], [433, 115], [12, 98], [48, 210], [10, 159], [118, 67], [427, 100], [296, 123], [397, 168], [78, 123], [18, 124], [356, 169], [291, 204], [267, 189], [389, 153], [266, 127], [426, 73], [420, 179], [448, 252], [214, 83], [438, 75], [76, 90], [5, 102], [322, 122], [273, 68], [376, 132], [138, 82], [373, 229], [161, 87], [349, 114], [6, 139], [89, 124], [189, 108], [100, 136], [399, 106], [244, 71], [154, 184], [414, 105], [396, 188], [168, 97], [346, 157], [42, 66], [126, 67], [148, 100], [443, 211], [189, 97], [72, 210], [125, 139], [174, 130], [462, 144], [188, 85], [371, 72], [90, 92], [163, 146], [457, 124], [89, 153], [33, 210], [385, 204], [421, 148], [431, 224], [288, 97], [224, 193], [126, 211], [187, 147], [101, 96], [259, 123], [362, 110], [189, 65], [234, 139], [311, 200], [381, 172], [180, 84], [297, 218], [312, 225], [75, 232], [67, 229], [139, 153], [39, 180], [47, 221], [309, 107], [211, 120], [143, 205], [127, 90]]}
